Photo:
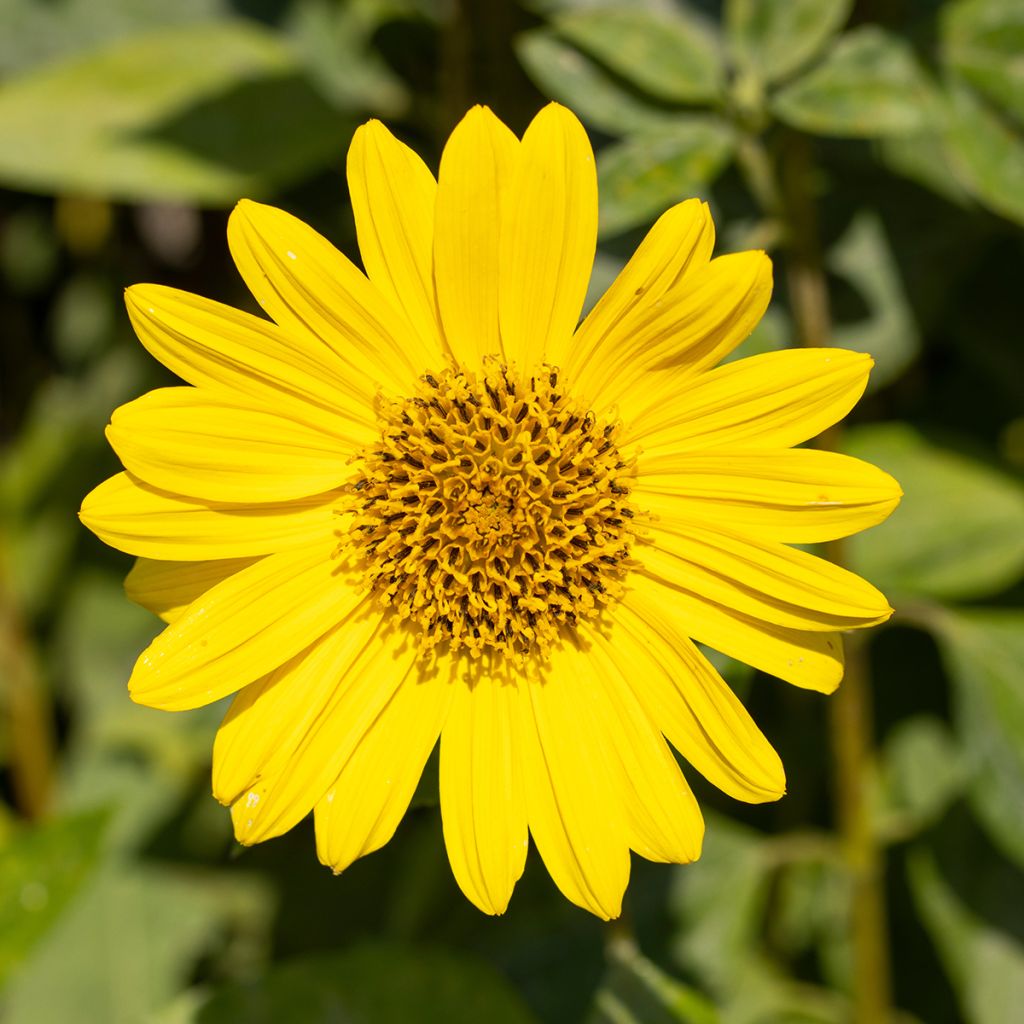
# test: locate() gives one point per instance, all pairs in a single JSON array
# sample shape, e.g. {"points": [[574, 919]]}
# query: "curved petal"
{"points": [[573, 801], [270, 718], [231, 448], [168, 588], [762, 579], [142, 520], [475, 176], [243, 628], [315, 292], [362, 809], [692, 704], [678, 245], [798, 496], [689, 329], [666, 823], [223, 349], [774, 400], [548, 239], [393, 195], [813, 661], [483, 806]]}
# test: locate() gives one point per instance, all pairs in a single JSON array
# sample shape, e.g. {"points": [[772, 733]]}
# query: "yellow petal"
{"points": [[813, 661], [243, 628], [679, 244], [762, 579], [483, 807], [799, 496], [315, 292], [142, 520], [223, 349], [168, 588], [548, 239], [691, 703], [473, 182], [393, 195], [229, 447], [774, 400], [688, 329], [666, 823], [270, 718], [573, 800], [362, 809]]}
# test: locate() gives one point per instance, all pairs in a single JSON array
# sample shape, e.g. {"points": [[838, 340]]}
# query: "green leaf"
{"points": [[645, 174], [382, 983], [869, 85], [674, 58], [959, 530], [986, 966], [983, 40], [775, 39], [637, 991], [888, 333], [41, 869], [569, 76], [987, 153], [206, 113], [984, 651]]}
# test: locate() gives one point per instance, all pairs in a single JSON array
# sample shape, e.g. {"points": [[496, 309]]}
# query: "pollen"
{"points": [[495, 512]]}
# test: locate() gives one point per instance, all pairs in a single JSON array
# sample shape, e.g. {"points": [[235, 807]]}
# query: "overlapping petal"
{"points": [[168, 588]]}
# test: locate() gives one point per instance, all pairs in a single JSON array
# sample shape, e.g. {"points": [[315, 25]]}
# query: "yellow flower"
{"points": [[423, 503]]}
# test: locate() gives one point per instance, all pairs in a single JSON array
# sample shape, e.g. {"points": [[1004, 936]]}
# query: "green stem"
{"points": [[850, 708]]}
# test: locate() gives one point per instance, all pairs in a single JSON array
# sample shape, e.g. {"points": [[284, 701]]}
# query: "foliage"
{"points": [[882, 145]]}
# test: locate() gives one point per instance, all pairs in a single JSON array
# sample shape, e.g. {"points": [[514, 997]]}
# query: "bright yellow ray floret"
{"points": [[423, 503]]}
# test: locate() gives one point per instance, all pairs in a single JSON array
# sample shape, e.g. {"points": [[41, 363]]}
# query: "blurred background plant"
{"points": [[877, 151]]}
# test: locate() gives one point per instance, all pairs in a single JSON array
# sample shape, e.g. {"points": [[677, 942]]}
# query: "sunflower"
{"points": [[426, 503]]}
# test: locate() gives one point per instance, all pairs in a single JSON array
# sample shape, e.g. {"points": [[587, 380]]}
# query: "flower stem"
{"points": [[850, 707]]}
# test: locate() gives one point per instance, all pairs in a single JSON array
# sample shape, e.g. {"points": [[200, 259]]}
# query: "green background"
{"points": [[876, 150]]}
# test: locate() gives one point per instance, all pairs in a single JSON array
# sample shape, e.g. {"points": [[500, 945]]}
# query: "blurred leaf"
{"points": [[372, 982], [925, 159], [28, 251], [206, 113], [41, 868], [869, 85], [776, 39], [987, 152], [672, 57], [39, 33], [984, 652], [986, 966], [637, 991], [123, 950], [984, 40], [572, 78], [959, 530], [922, 773], [645, 174], [889, 334]]}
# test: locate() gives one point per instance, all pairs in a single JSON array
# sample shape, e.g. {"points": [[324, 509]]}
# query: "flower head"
{"points": [[421, 503]]}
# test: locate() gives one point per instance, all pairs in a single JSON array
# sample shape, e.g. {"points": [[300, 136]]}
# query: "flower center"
{"points": [[495, 512]]}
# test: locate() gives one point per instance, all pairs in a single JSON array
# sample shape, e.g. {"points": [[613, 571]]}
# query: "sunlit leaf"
{"points": [[984, 40], [868, 85], [959, 530], [571, 77], [986, 966], [207, 113], [41, 869], [984, 652], [671, 57], [385, 984], [644, 174], [775, 39], [888, 333], [987, 152]]}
